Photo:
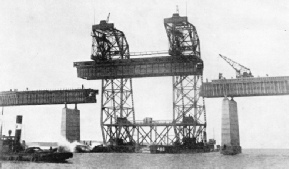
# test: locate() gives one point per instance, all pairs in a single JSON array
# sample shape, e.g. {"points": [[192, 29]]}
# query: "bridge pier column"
{"points": [[230, 143], [70, 124]]}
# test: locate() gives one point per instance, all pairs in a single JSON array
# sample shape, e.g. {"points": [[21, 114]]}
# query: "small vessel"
{"points": [[82, 149], [12, 149], [115, 146], [36, 154]]}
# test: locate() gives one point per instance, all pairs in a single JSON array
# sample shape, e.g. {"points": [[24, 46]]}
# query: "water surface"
{"points": [[250, 158]]}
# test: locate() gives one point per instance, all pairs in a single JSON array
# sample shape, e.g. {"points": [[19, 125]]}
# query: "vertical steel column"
{"points": [[188, 105], [117, 98]]}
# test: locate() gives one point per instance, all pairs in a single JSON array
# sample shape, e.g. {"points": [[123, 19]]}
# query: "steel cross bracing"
{"points": [[117, 97], [143, 134], [154, 132], [159, 135], [188, 105], [117, 108]]}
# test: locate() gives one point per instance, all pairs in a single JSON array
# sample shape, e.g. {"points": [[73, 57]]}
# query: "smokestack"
{"points": [[18, 128]]}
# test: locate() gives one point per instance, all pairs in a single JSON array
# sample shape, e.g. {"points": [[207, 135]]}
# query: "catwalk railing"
{"points": [[41, 97], [245, 87], [157, 123]]}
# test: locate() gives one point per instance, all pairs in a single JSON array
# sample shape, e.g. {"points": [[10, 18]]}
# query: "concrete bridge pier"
{"points": [[230, 144], [70, 124]]}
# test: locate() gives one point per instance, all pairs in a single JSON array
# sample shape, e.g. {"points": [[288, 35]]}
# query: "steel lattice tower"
{"points": [[188, 105], [117, 106]]}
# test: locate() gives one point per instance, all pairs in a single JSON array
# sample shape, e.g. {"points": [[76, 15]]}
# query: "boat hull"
{"points": [[38, 157]]}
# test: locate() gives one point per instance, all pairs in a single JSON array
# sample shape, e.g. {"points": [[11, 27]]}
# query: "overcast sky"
{"points": [[40, 40]]}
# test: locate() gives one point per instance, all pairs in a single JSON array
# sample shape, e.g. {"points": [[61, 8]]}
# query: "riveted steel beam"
{"points": [[42, 97], [140, 67]]}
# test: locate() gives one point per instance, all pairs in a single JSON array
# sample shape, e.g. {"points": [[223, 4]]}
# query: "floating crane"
{"points": [[241, 71], [114, 66]]}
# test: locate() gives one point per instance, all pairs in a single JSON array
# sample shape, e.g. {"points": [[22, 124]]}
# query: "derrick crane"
{"points": [[241, 71]]}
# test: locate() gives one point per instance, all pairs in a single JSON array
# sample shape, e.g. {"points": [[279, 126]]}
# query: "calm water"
{"points": [[250, 158]]}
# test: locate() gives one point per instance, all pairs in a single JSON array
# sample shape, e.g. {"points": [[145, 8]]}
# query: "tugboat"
{"points": [[15, 152], [12, 149]]}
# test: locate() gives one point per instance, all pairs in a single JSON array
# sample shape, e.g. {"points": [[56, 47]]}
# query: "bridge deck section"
{"points": [[140, 67], [246, 87], [42, 97]]}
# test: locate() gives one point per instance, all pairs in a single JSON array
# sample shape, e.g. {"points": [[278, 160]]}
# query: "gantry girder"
{"points": [[44, 97], [246, 87], [140, 67]]}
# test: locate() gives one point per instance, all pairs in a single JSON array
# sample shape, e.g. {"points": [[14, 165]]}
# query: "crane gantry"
{"points": [[114, 66]]}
